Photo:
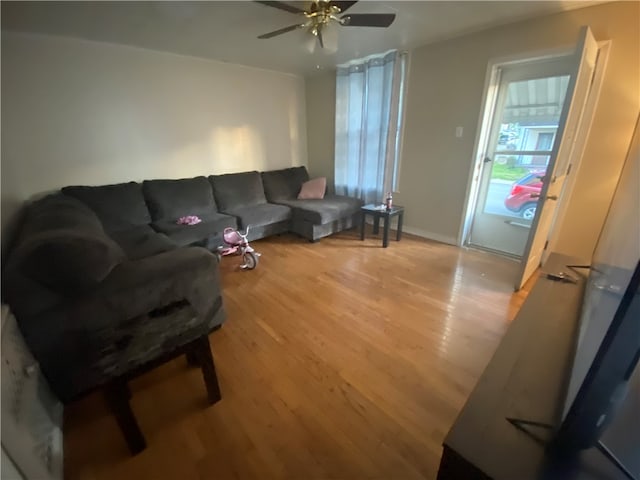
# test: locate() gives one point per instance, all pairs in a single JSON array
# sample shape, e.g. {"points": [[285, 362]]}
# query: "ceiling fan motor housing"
{"points": [[320, 14]]}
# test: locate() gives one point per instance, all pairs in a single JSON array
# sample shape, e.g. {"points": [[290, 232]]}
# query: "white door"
{"points": [[525, 121], [583, 67]]}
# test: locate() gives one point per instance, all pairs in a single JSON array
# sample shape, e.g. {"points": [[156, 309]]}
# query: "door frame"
{"points": [[489, 97]]}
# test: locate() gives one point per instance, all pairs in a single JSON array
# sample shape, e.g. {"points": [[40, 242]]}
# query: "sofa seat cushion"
{"points": [[237, 190], [119, 207], [172, 199], [284, 184], [259, 215], [211, 226], [328, 209], [141, 242]]}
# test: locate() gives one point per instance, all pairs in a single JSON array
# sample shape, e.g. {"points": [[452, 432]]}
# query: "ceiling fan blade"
{"points": [[290, 28], [343, 6], [282, 6], [368, 19]]}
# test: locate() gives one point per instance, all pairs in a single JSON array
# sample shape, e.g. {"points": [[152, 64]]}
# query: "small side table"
{"points": [[377, 213]]}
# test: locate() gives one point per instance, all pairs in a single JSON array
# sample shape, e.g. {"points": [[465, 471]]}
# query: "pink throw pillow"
{"points": [[313, 189]]}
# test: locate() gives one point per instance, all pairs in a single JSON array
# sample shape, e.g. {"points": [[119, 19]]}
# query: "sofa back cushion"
{"points": [[284, 184], [237, 190], [62, 245], [172, 199], [118, 207]]}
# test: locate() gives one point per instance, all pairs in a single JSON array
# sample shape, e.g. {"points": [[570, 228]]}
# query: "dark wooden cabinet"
{"points": [[525, 379]]}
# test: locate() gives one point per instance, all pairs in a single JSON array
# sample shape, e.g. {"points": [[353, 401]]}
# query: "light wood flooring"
{"points": [[338, 360]]}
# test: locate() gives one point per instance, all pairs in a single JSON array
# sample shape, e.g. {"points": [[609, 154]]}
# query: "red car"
{"points": [[519, 199]]}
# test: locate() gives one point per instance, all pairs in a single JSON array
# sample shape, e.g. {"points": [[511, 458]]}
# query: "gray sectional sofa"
{"points": [[93, 258], [141, 217], [105, 284]]}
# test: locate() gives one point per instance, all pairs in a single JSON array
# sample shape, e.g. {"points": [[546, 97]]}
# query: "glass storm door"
{"points": [[529, 103], [565, 149]]}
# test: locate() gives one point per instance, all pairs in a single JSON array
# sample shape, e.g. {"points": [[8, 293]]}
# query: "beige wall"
{"points": [[445, 90], [79, 112], [321, 116]]}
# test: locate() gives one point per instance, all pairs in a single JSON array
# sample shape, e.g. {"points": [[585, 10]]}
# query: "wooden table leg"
{"points": [[385, 238], [362, 225], [192, 360], [399, 231], [117, 394], [202, 351]]}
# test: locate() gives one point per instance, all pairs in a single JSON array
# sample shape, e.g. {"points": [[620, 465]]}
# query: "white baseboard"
{"points": [[430, 235], [420, 233]]}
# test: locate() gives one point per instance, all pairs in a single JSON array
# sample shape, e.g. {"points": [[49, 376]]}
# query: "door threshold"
{"points": [[510, 256]]}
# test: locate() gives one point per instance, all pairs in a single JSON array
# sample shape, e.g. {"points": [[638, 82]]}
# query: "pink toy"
{"points": [[189, 220], [239, 245]]}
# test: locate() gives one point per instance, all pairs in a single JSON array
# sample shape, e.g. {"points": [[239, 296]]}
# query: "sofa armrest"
{"points": [[142, 308], [140, 287]]}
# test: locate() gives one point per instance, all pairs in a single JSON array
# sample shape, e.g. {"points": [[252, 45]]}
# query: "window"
{"points": [[369, 113]]}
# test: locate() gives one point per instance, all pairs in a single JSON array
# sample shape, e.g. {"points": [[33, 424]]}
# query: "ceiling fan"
{"points": [[323, 13]]}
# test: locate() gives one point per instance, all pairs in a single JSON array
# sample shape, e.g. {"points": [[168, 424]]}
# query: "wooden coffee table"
{"points": [[377, 213]]}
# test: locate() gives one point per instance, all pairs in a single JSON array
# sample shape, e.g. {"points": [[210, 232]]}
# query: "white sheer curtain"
{"points": [[368, 122]]}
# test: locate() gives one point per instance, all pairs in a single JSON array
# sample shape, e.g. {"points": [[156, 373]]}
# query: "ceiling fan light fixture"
{"points": [[322, 17], [330, 36], [310, 44], [312, 39]]}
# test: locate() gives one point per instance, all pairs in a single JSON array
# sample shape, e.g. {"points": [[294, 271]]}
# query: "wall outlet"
{"points": [[459, 131]]}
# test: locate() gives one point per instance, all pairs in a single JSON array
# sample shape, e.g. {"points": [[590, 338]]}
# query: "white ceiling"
{"points": [[227, 31]]}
